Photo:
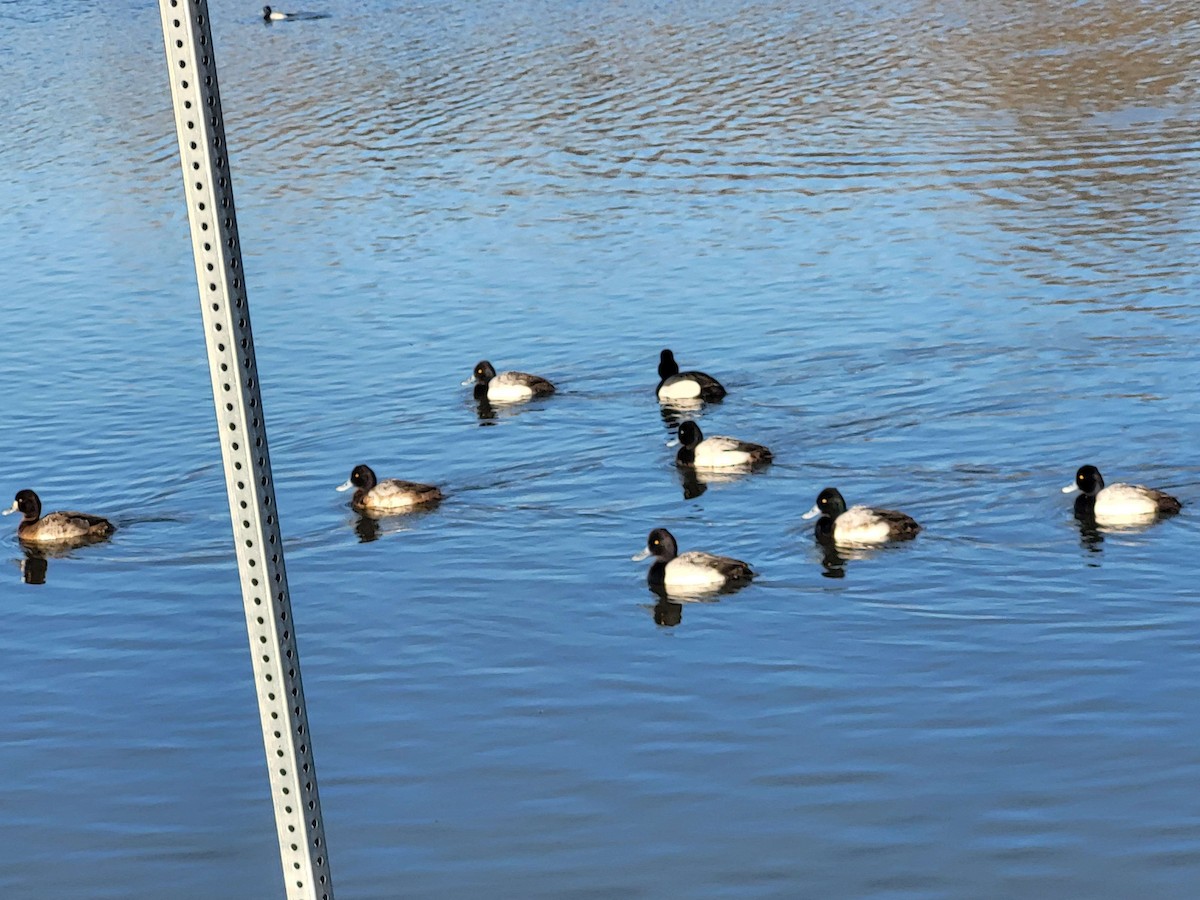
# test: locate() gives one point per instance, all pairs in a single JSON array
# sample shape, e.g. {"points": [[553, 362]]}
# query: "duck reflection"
{"points": [[36, 562], [372, 527], [34, 566], [696, 481], [367, 528], [693, 485], [490, 413], [1092, 533], [835, 556], [485, 411], [668, 610], [1091, 536], [676, 411]]}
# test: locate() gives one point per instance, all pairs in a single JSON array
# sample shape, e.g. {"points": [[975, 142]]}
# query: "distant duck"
{"points": [[676, 385], [718, 451], [275, 15], [694, 569], [1118, 503], [507, 387], [56, 527], [390, 495], [858, 525]]}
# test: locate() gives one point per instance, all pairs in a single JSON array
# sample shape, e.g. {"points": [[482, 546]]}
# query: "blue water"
{"points": [[940, 257]]}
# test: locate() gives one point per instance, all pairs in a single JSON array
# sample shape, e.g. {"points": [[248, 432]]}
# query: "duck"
{"points": [[274, 15], [694, 569], [676, 385], [507, 387], [388, 496], [858, 525], [716, 452], [1117, 503], [56, 527]]}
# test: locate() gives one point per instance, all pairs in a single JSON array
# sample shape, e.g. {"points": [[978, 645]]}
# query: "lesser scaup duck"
{"points": [[55, 527], [390, 495], [694, 569], [858, 524], [1117, 503], [716, 452], [507, 387], [676, 385], [274, 15]]}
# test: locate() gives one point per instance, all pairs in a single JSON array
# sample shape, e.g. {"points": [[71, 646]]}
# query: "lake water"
{"points": [[941, 255]]}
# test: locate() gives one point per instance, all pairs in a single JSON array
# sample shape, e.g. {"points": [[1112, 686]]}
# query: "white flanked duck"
{"points": [[392, 495], [1118, 504], [676, 385], [506, 387], [858, 525], [718, 451], [56, 527], [695, 570]]}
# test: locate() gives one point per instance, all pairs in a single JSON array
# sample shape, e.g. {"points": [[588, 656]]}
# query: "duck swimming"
{"points": [[718, 451], [1118, 503], [391, 495], [676, 385], [507, 387], [56, 527], [858, 525], [694, 569]]}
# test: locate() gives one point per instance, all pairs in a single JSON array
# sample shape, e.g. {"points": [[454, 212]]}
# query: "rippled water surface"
{"points": [[940, 254]]}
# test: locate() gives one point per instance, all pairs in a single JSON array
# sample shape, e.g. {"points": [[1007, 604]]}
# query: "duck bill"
{"points": [[1070, 488], [12, 509], [344, 487], [812, 513], [638, 557], [470, 381]]}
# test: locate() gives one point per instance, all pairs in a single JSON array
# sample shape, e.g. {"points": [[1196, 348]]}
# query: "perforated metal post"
{"points": [[243, 436]]}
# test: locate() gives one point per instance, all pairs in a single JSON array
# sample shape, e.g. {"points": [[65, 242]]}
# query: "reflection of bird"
{"points": [[832, 562], [367, 529], [716, 452], [693, 484], [859, 524], [507, 387], [1118, 503], [33, 567], [56, 527], [667, 612], [694, 569], [388, 496], [676, 385]]}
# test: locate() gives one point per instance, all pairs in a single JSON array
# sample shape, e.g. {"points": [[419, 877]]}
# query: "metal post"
{"points": [[243, 436]]}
